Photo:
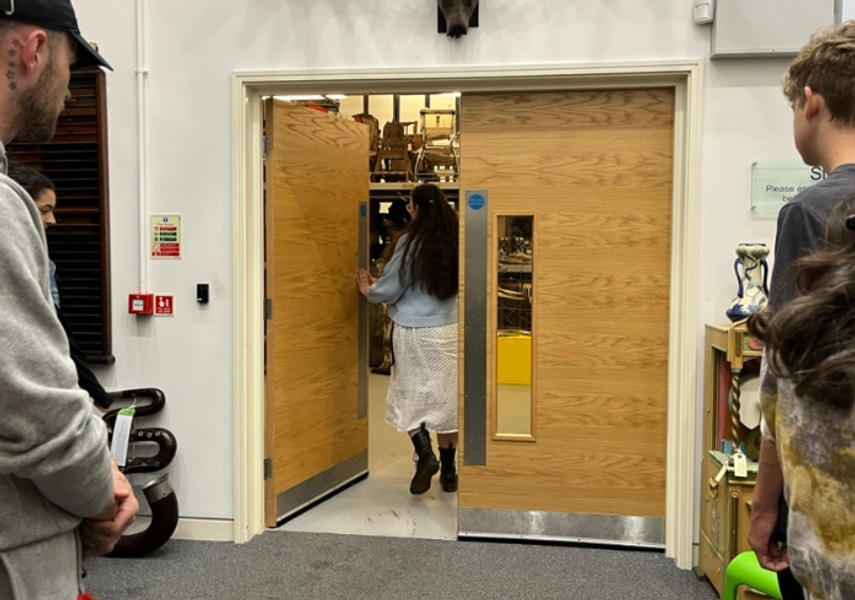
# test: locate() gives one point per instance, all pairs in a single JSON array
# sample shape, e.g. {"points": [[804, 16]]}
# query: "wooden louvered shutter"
{"points": [[76, 161]]}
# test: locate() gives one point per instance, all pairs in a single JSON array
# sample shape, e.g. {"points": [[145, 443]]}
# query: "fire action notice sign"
{"points": [[165, 236]]}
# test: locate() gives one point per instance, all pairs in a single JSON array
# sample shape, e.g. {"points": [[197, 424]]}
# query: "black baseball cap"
{"points": [[57, 15]]}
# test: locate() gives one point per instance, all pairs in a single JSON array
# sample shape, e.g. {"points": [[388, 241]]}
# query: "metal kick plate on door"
{"points": [[648, 532]]}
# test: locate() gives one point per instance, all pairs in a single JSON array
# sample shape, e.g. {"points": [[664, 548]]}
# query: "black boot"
{"points": [[426, 465], [448, 474]]}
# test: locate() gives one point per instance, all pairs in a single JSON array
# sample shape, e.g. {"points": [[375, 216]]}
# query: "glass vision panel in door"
{"points": [[514, 385]]}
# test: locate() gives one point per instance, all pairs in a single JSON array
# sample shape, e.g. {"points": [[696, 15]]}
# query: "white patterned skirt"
{"points": [[423, 388]]}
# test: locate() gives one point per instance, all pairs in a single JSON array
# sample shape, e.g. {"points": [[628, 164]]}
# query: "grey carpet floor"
{"points": [[307, 566]]}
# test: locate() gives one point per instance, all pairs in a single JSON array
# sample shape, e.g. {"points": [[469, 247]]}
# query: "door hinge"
{"points": [[268, 309], [267, 146], [268, 469]]}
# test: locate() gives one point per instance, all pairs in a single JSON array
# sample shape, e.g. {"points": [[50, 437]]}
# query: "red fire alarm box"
{"points": [[141, 304]]}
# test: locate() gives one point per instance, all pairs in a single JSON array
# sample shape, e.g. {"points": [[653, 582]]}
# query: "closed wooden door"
{"points": [[589, 175], [316, 412]]}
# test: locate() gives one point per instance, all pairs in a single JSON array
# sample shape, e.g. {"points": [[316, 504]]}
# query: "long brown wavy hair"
{"points": [[812, 339], [432, 243]]}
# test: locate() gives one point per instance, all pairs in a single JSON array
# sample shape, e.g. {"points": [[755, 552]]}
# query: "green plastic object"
{"points": [[745, 569]]}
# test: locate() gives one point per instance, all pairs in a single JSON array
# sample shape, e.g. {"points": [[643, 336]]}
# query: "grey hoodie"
{"points": [[54, 462]]}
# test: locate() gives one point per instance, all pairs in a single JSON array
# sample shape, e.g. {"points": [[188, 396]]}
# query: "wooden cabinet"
{"points": [[725, 519], [726, 502]]}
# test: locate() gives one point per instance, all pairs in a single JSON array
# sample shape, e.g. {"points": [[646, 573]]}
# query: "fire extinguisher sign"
{"points": [[165, 236]]}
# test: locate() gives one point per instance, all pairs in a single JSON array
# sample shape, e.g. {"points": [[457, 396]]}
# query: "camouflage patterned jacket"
{"points": [[816, 448]]}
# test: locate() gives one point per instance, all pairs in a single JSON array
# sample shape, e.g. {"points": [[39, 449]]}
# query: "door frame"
{"points": [[248, 87]]}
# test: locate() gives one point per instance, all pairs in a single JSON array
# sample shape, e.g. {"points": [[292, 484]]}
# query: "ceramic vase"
{"points": [[752, 274]]}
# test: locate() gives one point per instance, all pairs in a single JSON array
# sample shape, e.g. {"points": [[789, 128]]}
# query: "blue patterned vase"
{"points": [[753, 291]]}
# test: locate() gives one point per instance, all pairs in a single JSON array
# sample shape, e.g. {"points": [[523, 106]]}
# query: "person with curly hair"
{"points": [[820, 87], [808, 399]]}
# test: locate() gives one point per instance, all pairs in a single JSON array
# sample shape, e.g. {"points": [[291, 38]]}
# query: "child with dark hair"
{"points": [[808, 394]]}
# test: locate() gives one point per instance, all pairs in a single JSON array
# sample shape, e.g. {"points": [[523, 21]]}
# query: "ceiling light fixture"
{"points": [[296, 98]]}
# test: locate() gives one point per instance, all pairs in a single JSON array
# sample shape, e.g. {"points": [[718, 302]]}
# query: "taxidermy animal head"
{"points": [[457, 14]]}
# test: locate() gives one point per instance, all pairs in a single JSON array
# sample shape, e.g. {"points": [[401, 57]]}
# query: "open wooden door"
{"points": [[567, 222], [317, 184]]}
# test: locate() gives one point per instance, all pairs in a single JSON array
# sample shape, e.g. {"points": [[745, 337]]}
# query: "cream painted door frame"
{"points": [[248, 87]]}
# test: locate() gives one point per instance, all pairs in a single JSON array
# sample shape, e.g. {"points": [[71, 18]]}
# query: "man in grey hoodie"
{"points": [[61, 495]]}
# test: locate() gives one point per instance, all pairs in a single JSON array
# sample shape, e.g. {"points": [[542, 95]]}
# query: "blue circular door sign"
{"points": [[476, 201], [363, 211]]}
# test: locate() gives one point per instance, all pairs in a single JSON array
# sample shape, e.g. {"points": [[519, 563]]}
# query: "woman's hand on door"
{"points": [[364, 280]]}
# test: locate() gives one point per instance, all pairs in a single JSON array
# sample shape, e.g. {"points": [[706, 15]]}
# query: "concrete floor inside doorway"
{"points": [[382, 504]]}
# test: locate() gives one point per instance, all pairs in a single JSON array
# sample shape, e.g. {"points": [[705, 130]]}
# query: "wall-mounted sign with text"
{"points": [[166, 236], [776, 182]]}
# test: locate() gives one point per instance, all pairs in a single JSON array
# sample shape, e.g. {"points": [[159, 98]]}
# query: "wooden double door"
{"points": [[589, 174]]}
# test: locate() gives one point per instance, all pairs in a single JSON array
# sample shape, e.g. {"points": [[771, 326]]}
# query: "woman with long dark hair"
{"points": [[419, 285], [807, 394], [43, 192]]}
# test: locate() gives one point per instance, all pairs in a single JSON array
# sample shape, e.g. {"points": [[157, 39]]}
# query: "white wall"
{"points": [[194, 47]]}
